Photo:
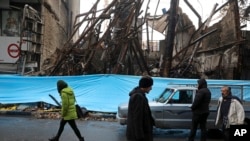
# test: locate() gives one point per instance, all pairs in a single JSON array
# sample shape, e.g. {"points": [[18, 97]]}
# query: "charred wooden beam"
{"points": [[167, 57]]}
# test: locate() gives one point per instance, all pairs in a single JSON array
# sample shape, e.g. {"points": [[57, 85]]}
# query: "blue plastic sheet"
{"points": [[101, 92]]}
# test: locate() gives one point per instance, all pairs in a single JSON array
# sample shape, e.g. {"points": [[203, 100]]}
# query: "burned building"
{"points": [[215, 51], [111, 41], [31, 30]]}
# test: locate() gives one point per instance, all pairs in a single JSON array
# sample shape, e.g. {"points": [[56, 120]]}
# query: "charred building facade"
{"points": [[31, 30], [48, 43]]}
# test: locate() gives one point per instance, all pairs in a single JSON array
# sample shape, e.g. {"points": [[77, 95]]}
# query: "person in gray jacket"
{"points": [[230, 112]]}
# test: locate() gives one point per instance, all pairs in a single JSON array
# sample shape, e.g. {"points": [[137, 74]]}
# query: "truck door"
{"points": [[177, 112]]}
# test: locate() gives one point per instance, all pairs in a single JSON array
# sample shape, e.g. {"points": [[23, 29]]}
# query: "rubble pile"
{"points": [[50, 113], [109, 43]]}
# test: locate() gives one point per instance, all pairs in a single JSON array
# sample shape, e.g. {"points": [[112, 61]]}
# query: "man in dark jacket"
{"points": [[140, 122], [200, 109]]}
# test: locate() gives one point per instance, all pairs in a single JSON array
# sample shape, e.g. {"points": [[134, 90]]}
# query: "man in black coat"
{"points": [[140, 121], [200, 109]]}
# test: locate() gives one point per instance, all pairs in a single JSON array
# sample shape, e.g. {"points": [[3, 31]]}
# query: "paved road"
{"points": [[31, 129]]}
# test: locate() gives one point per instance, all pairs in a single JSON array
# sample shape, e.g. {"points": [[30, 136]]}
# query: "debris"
{"points": [[30, 109], [111, 43]]}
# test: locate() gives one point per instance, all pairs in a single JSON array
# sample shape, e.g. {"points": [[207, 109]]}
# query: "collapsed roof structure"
{"points": [[111, 43]]}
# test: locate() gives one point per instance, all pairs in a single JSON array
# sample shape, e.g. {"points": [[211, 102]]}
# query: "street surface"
{"points": [[30, 129]]}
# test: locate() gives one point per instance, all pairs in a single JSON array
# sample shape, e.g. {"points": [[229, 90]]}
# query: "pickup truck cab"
{"points": [[171, 110]]}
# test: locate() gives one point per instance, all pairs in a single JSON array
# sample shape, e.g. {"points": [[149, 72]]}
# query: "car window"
{"points": [[165, 95], [182, 97]]}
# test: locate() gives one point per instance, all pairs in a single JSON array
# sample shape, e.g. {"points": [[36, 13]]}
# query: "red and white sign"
{"points": [[13, 50], [9, 49]]}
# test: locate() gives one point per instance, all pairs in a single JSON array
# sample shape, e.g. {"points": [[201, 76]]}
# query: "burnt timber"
{"points": [[219, 51]]}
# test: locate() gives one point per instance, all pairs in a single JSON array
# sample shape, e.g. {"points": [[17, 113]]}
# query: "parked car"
{"points": [[172, 109]]}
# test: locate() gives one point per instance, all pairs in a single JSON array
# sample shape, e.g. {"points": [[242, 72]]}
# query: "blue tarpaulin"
{"points": [[101, 92]]}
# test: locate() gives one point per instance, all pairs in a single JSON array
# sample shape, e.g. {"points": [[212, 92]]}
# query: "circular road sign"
{"points": [[13, 50]]}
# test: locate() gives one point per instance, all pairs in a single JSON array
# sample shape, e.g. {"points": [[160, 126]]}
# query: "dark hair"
{"points": [[145, 82], [61, 85], [202, 83]]}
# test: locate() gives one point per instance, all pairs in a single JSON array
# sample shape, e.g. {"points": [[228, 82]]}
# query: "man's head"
{"points": [[202, 83], [225, 91], [146, 83]]}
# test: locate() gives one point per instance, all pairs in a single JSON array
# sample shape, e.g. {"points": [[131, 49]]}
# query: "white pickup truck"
{"points": [[171, 110]]}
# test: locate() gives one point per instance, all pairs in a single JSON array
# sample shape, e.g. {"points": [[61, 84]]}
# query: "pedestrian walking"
{"points": [[200, 110], [229, 112], [68, 110], [140, 121]]}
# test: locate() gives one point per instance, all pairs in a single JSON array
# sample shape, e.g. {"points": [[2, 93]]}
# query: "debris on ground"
{"points": [[49, 112]]}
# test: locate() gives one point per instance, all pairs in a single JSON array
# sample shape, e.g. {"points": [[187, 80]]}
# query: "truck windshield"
{"points": [[165, 95]]}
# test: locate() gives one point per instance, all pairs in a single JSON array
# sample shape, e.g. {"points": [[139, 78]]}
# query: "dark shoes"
{"points": [[54, 139], [187, 139], [81, 139]]}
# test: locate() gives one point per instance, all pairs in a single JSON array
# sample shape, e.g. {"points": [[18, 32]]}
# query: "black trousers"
{"points": [[72, 124], [226, 133], [199, 119], [138, 140]]}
